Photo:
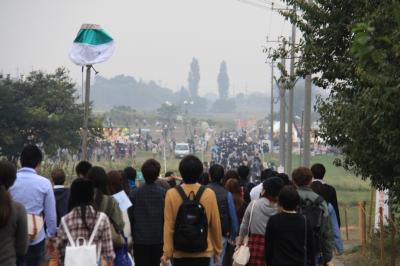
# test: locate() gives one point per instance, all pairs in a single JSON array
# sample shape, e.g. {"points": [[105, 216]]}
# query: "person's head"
{"points": [[231, 174], [302, 177], [204, 179], [318, 171], [216, 173], [8, 174], [190, 168], [233, 186], [31, 157], [82, 193], [288, 198], [271, 188], [243, 171], [151, 170], [82, 168], [285, 178], [130, 173], [58, 176], [99, 178], [115, 182], [81, 196], [267, 173], [169, 174]]}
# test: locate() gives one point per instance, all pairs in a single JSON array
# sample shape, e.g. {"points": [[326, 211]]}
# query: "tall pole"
{"points": [[288, 167], [307, 122], [307, 118], [86, 114], [271, 135], [282, 124]]}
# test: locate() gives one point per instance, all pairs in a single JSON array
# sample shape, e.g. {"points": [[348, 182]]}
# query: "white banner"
{"points": [[381, 200]]}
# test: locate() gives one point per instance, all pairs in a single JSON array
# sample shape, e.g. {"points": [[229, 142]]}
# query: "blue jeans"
{"points": [[34, 257], [221, 256]]}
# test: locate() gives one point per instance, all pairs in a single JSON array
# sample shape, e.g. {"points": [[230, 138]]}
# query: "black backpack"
{"points": [[312, 212], [191, 224]]}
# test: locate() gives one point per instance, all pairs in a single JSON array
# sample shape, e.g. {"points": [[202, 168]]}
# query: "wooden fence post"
{"points": [[371, 204], [381, 244], [346, 223], [393, 232], [361, 223]]}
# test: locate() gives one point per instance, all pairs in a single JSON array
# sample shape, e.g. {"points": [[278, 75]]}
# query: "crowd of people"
{"points": [[205, 217], [235, 148]]}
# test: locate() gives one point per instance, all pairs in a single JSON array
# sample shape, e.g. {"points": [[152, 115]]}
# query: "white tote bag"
{"points": [[82, 253], [242, 255]]}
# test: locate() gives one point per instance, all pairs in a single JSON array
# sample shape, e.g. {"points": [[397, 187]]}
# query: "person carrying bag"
{"points": [[85, 254], [242, 254]]}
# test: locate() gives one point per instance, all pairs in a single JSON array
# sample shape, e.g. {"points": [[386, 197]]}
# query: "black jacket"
{"points": [[62, 199], [329, 194]]}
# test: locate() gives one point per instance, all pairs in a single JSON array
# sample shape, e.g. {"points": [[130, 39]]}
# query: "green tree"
{"points": [[223, 81], [168, 113], [194, 78], [353, 48], [42, 109]]}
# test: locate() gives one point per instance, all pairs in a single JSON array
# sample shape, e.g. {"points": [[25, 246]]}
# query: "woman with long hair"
{"points": [[13, 224], [233, 186], [81, 220], [102, 201]]}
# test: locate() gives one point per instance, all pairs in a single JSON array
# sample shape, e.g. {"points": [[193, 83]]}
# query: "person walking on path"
{"points": [[13, 224], [191, 168], [226, 207], [256, 218], [36, 194], [288, 238], [328, 192], [147, 217]]}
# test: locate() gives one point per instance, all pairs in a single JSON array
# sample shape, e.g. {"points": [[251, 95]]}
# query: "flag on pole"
{"points": [[92, 45]]}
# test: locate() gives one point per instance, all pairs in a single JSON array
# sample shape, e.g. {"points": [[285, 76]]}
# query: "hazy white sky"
{"points": [[156, 39]]}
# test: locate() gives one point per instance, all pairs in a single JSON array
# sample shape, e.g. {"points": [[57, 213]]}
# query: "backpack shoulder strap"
{"points": [[182, 193], [96, 228], [199, 193], [67, 232]]}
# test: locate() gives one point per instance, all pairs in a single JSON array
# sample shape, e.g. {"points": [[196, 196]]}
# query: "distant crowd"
{"points": [[208, 215]]}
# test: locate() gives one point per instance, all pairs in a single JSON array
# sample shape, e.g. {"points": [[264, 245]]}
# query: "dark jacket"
{"points": [[61, 195], [222, 200], [147, 214], [329, 194]]}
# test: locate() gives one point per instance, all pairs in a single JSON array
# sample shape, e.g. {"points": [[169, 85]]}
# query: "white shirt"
{"points": [[256, 191]]}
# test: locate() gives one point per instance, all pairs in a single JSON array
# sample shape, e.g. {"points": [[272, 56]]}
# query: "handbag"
{"points": [[77, 254], [35, 225], [122, 256], [242, 255]]}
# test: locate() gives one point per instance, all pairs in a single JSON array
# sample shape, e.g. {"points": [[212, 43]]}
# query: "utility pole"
{"points": [[272, 109], [282, 124], [307, 118], [288, 166], [86, 114]]}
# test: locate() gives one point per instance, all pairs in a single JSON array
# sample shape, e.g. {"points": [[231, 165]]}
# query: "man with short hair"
{"points": [[61, 193], [191, 168], [226, 207], [147, 217], [265, 175], [302, 177], [82, 168], [245, 184], [35, 192], [329, 192]]}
